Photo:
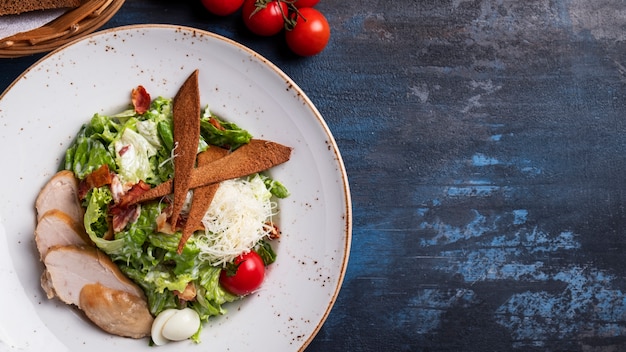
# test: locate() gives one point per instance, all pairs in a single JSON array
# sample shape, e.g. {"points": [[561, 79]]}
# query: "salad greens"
{"points": [[140, 148]]}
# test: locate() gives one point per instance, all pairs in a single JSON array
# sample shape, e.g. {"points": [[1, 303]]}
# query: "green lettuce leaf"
{"points": [[229, 136], [95, 220], [132, 156], [86, 155]]}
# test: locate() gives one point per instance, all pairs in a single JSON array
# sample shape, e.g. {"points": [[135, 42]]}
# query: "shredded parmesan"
{"points": [[236, 220]]}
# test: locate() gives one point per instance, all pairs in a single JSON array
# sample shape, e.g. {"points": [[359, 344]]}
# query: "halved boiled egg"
{"points": [[174, 325]]}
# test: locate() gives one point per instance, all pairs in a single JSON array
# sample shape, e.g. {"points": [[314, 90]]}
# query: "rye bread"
{"points": [[14, 7]]}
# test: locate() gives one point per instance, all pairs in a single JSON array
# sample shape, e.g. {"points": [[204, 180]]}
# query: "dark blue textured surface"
{"points": [[484, 143]]}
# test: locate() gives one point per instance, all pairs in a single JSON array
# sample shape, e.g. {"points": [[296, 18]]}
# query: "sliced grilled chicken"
{"points": [[56, 228], [61, 193], [116, 312], [70, 268]]}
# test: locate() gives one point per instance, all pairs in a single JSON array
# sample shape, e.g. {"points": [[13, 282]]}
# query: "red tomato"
{"points": [[265, 18], [310, 34], [305, 3], [222, 7], [248, 274]]}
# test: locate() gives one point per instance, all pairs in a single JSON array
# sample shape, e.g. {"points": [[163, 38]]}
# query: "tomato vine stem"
{"points": [[290, 18]]}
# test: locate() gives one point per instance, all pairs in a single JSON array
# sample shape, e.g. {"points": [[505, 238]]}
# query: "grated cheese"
{"points": [[236, 220]]}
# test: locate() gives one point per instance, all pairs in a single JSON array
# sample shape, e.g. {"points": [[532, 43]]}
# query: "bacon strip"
{"points": [[124, 212], [121, 216], [186, 115], [102, 176], [141, 99], [136, 191], [256, 156], [202, 197]]}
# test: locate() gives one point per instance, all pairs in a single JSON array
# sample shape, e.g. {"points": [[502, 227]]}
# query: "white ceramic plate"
{"points": [[44, 108]]}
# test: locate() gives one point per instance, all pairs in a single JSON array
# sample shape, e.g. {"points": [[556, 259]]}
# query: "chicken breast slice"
{"points": [[56, 228], [70, 268], [61, 193], [116, 312]]}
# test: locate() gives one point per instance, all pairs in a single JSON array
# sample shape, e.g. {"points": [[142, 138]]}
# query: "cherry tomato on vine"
{"points": [[222, 7], [310, 34], [305, 3], [245, 274], [264, 17]]}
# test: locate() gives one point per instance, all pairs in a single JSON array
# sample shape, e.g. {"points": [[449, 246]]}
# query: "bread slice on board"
{"points": [[14, 7]]}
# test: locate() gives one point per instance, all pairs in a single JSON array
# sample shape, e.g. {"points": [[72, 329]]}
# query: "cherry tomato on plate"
{"points": [[222, 7], [264, 17], [245, 274], [310, 34], [305, 3]]}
